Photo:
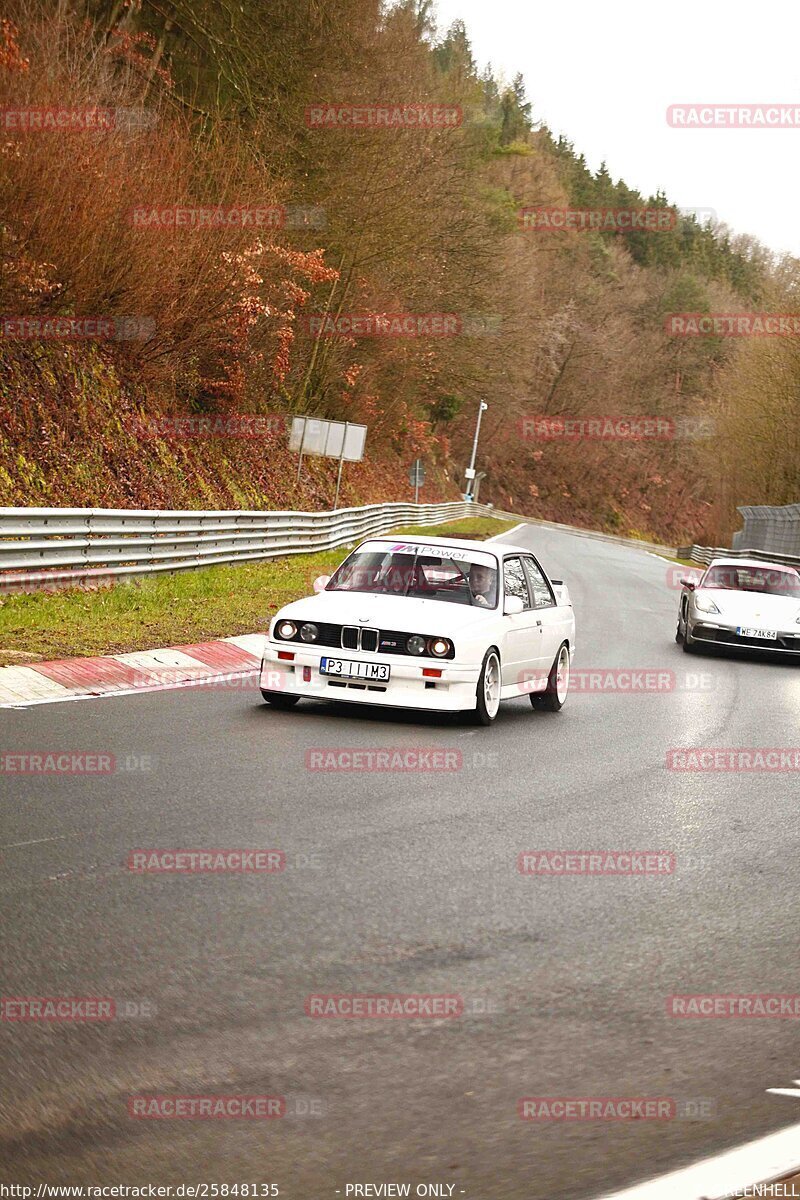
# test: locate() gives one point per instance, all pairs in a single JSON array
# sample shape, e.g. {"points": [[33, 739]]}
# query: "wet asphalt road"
{"points": [[407, 884]]}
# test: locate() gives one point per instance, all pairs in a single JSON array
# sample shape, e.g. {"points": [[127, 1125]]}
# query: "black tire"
{"points": [[678, 635], [279, 699], [548, 700], [483, 714], [689, 647]]}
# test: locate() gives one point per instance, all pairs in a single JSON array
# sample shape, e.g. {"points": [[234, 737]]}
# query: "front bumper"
{"points": [[726, 637], [455, 691]]}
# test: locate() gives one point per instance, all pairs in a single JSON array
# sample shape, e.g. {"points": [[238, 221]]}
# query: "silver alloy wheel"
{"points": [[562, 674], [491, 685]]}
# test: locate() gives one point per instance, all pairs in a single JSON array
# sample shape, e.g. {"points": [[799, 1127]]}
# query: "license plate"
{"points": [[767, 634], [347, 669]]}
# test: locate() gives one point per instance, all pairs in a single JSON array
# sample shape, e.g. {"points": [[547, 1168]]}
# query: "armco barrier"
{"points": [[769, 528], [51, 547], [704, 555]]}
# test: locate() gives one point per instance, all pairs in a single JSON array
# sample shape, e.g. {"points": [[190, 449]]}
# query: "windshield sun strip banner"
{"points": [[423, 550]]}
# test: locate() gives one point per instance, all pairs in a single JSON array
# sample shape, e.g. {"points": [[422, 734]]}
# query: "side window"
{"points": [[514, 580], [540, 590]]}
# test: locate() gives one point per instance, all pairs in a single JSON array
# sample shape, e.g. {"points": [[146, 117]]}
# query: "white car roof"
{"points": [[458, 543], [753, 562]]}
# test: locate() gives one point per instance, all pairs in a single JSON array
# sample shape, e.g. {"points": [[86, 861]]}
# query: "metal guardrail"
{"points": [[52, 547], [44, 548], [770, 528], [704, 555]]}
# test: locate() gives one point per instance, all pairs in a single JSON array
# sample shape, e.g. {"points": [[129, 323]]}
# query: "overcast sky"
{"points": [[604, 74]]}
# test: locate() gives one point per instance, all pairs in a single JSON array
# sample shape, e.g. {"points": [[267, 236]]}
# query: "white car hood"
{"points": [[406, 614], [755, 609]]}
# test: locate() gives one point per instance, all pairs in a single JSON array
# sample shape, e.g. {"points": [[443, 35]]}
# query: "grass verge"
{"points": [[172, 609]]}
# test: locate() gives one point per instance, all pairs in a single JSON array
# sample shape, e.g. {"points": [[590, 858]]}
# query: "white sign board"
{"points": [[310, 435]]}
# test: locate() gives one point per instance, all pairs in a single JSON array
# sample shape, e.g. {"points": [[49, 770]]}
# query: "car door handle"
{"points": [[538, 622]]}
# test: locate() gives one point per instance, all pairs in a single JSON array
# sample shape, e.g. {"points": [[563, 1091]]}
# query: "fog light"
{"points": [[431, 672], [286, 655]]}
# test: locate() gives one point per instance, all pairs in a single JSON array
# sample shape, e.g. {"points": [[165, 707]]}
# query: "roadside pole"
{"points": [[341, 461], [300, 459], [470, 472], [416, 477]]}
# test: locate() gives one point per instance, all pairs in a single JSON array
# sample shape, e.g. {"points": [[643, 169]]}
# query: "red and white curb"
{"points": [[228, 662], [748, 1170]]}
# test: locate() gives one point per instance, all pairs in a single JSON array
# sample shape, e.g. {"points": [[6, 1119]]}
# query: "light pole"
{"points": [[470, 472]]}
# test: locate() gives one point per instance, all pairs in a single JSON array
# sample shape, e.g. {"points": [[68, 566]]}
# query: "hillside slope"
{"points": [[249, 259]]}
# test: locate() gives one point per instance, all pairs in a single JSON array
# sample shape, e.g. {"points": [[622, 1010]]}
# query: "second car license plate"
{"points": [[346, 668], [768, 634]]}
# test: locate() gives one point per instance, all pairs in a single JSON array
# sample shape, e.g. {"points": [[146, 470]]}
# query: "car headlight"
{"points": [[309, 632], [416, 644], [286, 629], [440, 647], [705, 604]]}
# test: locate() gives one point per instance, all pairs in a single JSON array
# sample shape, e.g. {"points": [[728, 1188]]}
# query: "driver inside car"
{"points": [[482, 585]]}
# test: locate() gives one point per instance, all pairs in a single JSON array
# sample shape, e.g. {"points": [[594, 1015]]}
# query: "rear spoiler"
{"points": [[562, 592]]}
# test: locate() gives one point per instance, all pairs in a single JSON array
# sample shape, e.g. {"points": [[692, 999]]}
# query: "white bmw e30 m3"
{"points": [[435, 623]]}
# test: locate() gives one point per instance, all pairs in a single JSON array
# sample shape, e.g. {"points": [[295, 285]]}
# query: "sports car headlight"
{"points": [[440, 647], [286, 629], [416, 644], [309, 632], [705, 604]]}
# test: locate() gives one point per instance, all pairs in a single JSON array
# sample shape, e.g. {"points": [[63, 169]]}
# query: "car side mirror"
{"points": [[561, 592], [321, 582], [691, 584], [513, 605]]}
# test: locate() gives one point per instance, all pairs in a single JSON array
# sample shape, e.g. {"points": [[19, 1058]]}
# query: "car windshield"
{"points": [[754, 579], [420, 571]]}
